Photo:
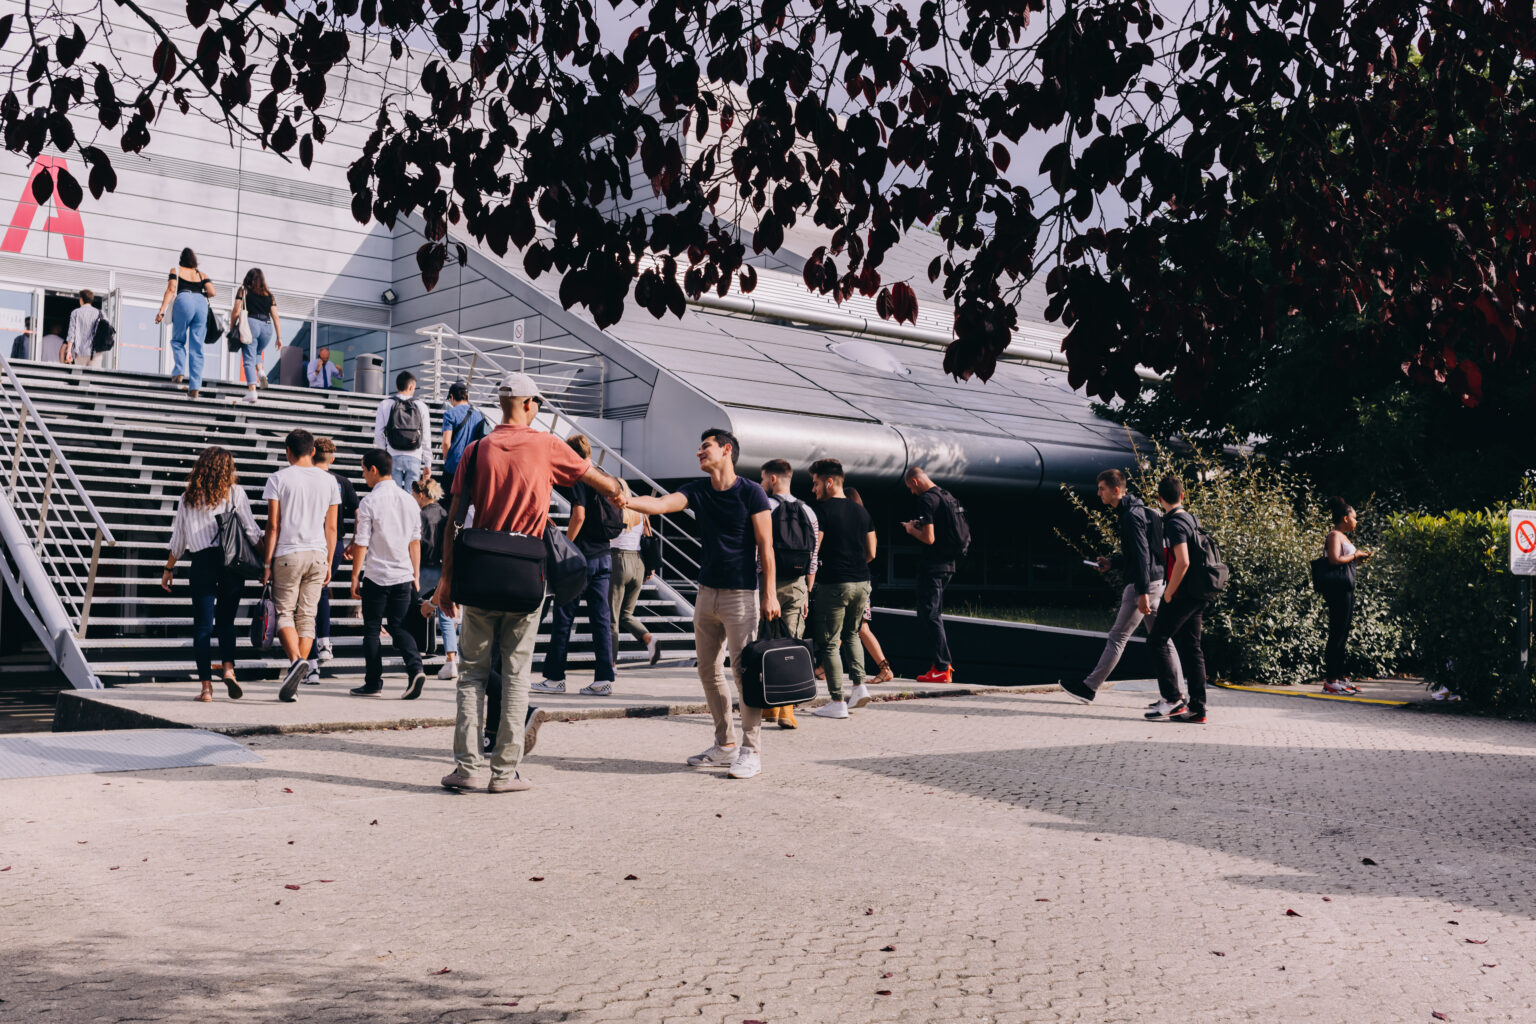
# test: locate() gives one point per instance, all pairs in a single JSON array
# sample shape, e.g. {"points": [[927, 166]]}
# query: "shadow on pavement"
{"points": [[229, 986], [1439, 824]]}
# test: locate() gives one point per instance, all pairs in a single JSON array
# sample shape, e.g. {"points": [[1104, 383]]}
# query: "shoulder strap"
{"points": [[470, 457]]}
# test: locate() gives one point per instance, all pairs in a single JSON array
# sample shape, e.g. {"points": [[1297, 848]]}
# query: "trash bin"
{"points": [[368, 373]]}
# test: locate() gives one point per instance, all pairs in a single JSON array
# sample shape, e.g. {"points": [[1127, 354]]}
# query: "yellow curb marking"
{"points": [[1314, 696]]}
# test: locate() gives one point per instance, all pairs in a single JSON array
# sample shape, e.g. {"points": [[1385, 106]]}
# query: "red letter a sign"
{"points": [[63, 220]]}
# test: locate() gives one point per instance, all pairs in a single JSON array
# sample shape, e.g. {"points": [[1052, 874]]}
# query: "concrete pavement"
{"points": [[993, 858]]}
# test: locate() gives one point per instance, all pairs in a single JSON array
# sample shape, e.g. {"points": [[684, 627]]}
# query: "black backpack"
{"points": [[794, 540], [403, 427], [951, 531], [104, 337], [609, 516], [1207, 572]]}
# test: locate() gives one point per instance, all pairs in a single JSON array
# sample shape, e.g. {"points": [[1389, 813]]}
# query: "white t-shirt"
{"points": [[304, 495], [629, 539], [52, 346], [388, 519]]}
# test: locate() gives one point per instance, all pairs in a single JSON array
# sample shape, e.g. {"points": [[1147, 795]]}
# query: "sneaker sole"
{"points": [[458, 787], [862, 702], [531, 731], [414, 689], [296, 675]]}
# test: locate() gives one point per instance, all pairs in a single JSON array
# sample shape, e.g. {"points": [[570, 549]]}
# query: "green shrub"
{"points": [[1268, 627], [1456, 595]]}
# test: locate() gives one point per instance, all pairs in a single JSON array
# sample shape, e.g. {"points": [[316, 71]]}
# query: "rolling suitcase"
{"points": [[777, 670]]}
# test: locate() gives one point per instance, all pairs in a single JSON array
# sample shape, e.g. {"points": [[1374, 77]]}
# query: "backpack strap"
{"points": [[470, 455]]}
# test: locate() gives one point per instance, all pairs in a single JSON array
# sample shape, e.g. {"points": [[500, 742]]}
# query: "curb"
{"points": [[597, 714], [85, 714]]}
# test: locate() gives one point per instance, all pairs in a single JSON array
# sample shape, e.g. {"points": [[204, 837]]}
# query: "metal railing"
{"points": [[679, 545], [576, 378], [64, 526]]}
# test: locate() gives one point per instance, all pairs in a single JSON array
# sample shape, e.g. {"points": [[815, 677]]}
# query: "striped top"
{"points": [[197, 528]]}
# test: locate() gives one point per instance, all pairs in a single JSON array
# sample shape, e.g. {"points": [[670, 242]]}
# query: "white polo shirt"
{"points": [[388, 519]]}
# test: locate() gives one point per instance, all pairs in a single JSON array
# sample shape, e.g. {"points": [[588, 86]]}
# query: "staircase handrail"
{"points": [[467, 346], [57, 453], [601, 451]]}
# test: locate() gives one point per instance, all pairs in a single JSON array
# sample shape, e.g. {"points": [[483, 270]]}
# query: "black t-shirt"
{"points": [[845, 525], [930, 510], [727, 542], [348, 507], [590, 541], [433, 519], [257, 305], [1178, 528]]}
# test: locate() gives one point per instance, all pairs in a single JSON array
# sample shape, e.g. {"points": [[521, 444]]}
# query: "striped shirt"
{"points": [[197, 528]]}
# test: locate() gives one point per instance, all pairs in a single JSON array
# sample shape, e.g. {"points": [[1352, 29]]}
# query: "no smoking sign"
{"points": [[1522, 542]]}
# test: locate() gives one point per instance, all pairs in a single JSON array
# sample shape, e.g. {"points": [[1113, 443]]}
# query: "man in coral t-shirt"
{"points": [[506, 478]]}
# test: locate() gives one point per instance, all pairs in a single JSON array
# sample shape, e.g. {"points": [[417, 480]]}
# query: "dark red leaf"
{"points": [[887, 949], [445, 970], [42, 186], [1291, 913], [536, 878], [1438, 1015], [287, 790], [882, 991], [290, 885], [375, 821], [1217, 952], [1367, 861], [117, 868], [631, 878], [1477, 942]]}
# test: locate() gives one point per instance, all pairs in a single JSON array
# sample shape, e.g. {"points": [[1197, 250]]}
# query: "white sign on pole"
{"points": [[1522, 542], [517, 332]]}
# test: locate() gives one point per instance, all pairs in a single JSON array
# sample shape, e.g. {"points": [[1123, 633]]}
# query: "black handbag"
{"points": [[1330, 575], [778, 670], [240, 555], [493, 569], [215, 328], [264, 621], [650, 552]]}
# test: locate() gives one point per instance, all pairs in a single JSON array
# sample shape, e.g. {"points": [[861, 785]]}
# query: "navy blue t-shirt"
{"points": [[1178, 528], [729, 548]]}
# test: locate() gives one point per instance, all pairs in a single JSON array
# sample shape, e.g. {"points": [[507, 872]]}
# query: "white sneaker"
{"points": [[450, 670], [325, 653], [832, 709], [549, 686], [250, 398], [747, 765], [597, 689], [313, 679], [715, 757], [858, 697], [653, 649]]}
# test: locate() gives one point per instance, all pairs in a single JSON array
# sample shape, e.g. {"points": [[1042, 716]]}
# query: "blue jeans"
{"points": [[189, 325], [599, 613], [215, 600], [262, 335], [407, 471]]}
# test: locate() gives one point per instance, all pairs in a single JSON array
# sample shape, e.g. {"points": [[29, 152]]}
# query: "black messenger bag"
{"points": [[494, 569], [778, 670]]}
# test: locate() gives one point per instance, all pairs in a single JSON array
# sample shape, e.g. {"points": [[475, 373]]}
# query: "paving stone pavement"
{"points": [[993, 858]]}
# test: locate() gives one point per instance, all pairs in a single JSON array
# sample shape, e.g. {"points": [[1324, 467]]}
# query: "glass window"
{"points": [[289, 364], [347, 343], [138, 340], [16, 323]]}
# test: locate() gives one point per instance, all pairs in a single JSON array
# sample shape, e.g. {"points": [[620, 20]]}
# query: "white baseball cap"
{"points": [[520, 385]]}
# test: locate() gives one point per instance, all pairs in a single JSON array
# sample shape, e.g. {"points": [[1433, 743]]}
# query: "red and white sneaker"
{"points": [[1337, 687], [937, 675]]}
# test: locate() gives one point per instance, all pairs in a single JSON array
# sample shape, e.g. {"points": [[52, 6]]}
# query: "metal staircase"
{"points": [[95, 462]]}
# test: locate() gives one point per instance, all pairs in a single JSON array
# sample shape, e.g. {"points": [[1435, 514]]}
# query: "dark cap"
{"points": [[458, 390]]}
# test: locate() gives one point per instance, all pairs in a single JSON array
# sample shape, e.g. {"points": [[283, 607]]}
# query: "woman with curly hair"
{"points": [[212, 489]]}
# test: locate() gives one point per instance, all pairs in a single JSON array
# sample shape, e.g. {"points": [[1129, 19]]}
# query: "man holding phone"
{"points": [[1140, 558]]}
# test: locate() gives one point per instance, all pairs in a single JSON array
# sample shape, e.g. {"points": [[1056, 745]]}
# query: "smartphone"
{"points": [[1090, 564]]}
